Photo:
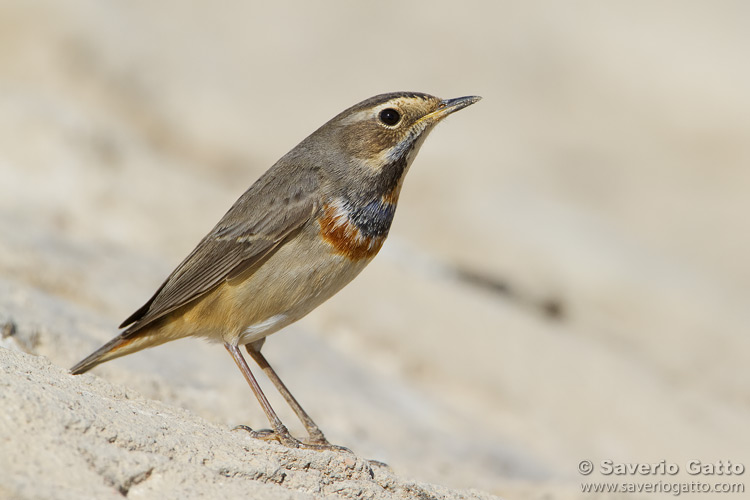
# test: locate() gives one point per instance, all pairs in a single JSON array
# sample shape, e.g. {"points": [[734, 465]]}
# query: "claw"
{"points": [[262, 434], [283, 436]]}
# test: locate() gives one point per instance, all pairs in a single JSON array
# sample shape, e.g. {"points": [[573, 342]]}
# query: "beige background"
{"points": [[607, 171]]}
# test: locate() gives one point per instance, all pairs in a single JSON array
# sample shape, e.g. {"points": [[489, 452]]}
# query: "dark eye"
{"points": [[390, 116]]}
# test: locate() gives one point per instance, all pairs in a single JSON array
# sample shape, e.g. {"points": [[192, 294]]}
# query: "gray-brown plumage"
{"points": [[300, 233]]}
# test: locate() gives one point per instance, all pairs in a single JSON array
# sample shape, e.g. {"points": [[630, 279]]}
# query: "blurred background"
{"points": [[567, 277]]}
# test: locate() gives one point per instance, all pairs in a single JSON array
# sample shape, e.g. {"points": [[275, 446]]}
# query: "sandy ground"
{"points": [[566, 279]]}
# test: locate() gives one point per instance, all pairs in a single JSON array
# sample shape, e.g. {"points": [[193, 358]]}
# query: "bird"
{"points": [[297, 236]]}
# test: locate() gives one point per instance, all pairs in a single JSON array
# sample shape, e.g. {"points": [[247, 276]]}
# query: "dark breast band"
{"points": [[356, 232]]}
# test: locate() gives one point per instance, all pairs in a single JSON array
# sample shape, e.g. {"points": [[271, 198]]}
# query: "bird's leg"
{"points": [[279, 432], [316, 435]]}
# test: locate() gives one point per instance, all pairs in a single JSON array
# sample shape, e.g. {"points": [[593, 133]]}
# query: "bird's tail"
{"points": [[125, 343]]}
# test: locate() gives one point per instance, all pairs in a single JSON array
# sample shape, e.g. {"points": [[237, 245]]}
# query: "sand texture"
{"points": [[566, 277]]}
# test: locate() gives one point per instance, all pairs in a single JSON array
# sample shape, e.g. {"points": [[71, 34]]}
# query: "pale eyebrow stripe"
{"points": [[356, 117]]}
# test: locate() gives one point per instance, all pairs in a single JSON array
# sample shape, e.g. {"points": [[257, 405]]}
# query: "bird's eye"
{"points": [[390, 116]]}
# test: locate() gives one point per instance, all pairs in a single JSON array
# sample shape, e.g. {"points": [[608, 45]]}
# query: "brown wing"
{"points": [[275, 206]]}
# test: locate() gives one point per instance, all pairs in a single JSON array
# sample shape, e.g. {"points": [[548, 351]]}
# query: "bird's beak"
{"points": [[448, 106]]}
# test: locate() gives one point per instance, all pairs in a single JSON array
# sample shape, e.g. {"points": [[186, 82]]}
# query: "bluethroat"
{"points": [[302, 231]]}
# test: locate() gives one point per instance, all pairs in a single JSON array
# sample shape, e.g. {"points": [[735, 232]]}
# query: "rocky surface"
{"points": [[82, 437], [566, 278]]}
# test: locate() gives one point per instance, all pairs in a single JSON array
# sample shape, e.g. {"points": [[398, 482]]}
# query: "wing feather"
{"points": [[255, 226]]}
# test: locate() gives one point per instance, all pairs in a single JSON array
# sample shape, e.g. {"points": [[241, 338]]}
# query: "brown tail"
{"points": [[125, 343], [104, 353]]}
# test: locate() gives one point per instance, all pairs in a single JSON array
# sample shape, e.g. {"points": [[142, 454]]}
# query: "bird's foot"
{"points": [[282, 435], [262, 434], [315, 436]]}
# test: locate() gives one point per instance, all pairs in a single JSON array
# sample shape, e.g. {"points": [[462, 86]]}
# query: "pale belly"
{"points": [[297, 278]]}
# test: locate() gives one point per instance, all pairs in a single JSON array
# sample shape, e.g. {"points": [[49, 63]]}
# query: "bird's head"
{"points": [[370, 146]]}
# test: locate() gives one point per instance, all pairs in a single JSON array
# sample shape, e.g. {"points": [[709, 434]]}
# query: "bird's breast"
{"points": [[356, 231]]}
